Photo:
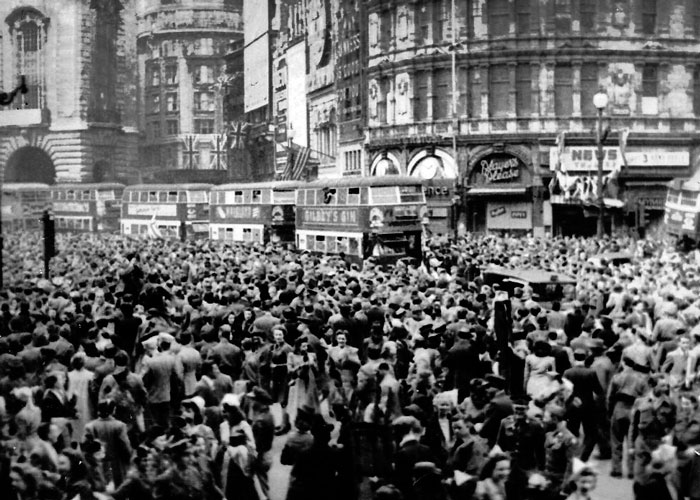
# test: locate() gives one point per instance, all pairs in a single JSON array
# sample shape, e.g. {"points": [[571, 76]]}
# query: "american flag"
{"points": [[238, 134], [297, 160]]}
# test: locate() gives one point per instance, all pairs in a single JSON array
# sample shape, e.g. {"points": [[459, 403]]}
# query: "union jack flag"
{"points": [[238, 134], [191, 153], [218, 154]]}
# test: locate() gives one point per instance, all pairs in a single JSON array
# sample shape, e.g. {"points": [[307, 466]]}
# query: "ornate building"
{"points": [[78, 120], [527, 70], [183, 78]]}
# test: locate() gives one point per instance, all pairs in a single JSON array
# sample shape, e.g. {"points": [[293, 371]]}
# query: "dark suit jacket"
{"points": [[652, 487], [462, 362], [405, 458], [500, 407], [586, 384]]}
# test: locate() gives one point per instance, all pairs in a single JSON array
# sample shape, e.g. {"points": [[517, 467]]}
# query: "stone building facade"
{"points": [[78, 120], [183, 79], [526, 71]]}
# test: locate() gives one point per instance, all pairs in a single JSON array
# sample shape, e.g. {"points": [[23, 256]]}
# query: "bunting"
{"points": [[297, 160]]}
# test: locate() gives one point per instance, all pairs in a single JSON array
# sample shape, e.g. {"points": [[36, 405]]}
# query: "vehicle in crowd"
{"points": [[615, 259], [87, 207], [682, 209], [361, 217], [260, 212], [168, 210], [23, 204], [546, 286]]}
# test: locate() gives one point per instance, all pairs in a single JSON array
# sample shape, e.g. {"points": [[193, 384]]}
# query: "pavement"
{"points": [[608, 488]]}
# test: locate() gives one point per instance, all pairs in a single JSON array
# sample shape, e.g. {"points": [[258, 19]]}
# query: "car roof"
{"points": [[531, 275]]}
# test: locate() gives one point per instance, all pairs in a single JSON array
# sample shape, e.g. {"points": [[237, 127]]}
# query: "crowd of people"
{"points": [[149, 369]]}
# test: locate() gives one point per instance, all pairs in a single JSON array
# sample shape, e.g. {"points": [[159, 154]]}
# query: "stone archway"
{"points": [[30, 164]]}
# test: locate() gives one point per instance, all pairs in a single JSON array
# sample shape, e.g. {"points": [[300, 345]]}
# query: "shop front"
{"points": [[634, 201], [500, 193]]}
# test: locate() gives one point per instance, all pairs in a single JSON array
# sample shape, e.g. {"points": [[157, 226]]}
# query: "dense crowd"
{"points": [[159, 369]]}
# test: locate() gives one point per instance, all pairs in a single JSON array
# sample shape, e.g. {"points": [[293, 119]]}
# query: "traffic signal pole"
{"points": [[49, 241]]}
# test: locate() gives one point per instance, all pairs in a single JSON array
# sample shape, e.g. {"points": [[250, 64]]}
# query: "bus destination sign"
{"points": [[333, 216], [238, 212], [152, 209]]}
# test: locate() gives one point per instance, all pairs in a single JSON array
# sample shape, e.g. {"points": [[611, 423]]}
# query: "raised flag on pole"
{"points": [[153, 229], [300, 162]]}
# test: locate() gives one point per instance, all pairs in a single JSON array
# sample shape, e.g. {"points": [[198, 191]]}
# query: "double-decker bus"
{"points": [[87, 207], [361, 217], [260, 212], [682, 209], [170, 208], [23, 204]]}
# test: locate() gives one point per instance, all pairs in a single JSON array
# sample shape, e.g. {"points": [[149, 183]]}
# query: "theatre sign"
{"points": [[584, 158]]}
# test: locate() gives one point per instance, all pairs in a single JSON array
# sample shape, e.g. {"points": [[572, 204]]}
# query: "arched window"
{"points": [[28, 30]]}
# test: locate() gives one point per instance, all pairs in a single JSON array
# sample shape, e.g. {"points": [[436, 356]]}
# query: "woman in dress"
{"points": [[303, 370], [279, 386], [79, 380], [537, 365]]}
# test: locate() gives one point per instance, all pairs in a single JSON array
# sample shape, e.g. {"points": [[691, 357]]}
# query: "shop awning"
{"points": [[496, 191]]}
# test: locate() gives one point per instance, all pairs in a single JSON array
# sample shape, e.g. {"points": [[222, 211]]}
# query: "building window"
{"points": [[588, 13], [155, 129], [696, 19], [202, 126], [523, 90], [30, 38], [499, 17], [563, 91], [204, 101], [650, 90], [383, 96], [474, 91], [154, 75], [499, 90], [171, 104], [562, 17], [154, 104], [444, 21], [522, 17], [204, 74], [385, 32], [171, 74], [442, 94], [206, 47], [589, 88], [173, 127], [648, 17], [423, 22], [420, 102]]}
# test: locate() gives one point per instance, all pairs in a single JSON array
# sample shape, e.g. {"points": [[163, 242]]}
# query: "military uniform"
{"points": [[652, 418], [523, 438], [624, 389], [559, 447]]}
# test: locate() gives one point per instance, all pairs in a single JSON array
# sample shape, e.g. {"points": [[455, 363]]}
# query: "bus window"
{"points": [[354, 246], [267, 196], [256, 196], [332, 245], [320, 244], [310, 243], [70, 195], [152, 196], [172, 196], [247, 234], [364, 196], [411, 194], [342, 196], [330, 196], [384, 195], [162, 197], [197, 197], [238, 197], [310, 197], [86, 195], [181, 197], [342, 244], [283, 197], [689, 198]]}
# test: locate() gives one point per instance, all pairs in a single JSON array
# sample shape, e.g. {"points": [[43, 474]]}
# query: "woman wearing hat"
{"points": [[303, 371]]}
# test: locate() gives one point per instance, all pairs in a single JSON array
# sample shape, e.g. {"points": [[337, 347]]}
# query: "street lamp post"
{"points": [[600, 101]]}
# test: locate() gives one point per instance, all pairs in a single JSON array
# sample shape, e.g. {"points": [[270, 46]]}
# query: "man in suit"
{"points": [[500, 407], [462, 363], [409, 452], [160, 372], [587, 389], [112, 433]]}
